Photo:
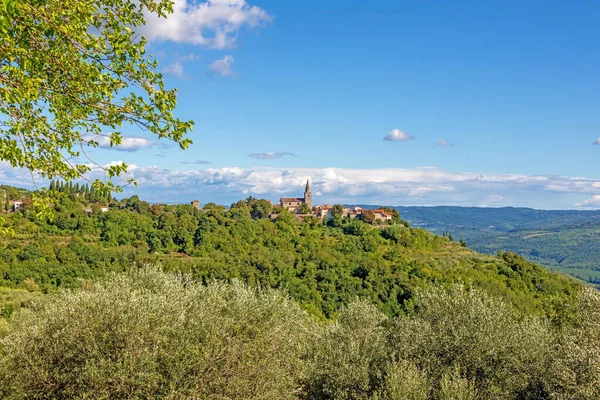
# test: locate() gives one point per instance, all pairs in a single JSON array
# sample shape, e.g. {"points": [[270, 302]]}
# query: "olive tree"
{"points": [[148, 334], [349, 357], [475, 345], [576, 363]]}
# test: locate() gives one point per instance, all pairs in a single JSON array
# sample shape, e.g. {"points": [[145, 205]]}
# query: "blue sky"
{"points": [[498, 100]]}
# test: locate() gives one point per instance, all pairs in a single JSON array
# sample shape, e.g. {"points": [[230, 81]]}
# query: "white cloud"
{"points": [[597, 141], [396, 135], [212, 23], [390, 186], [191, 57], [223, 66], [175, 69], [18, 177], [128, 143], [594, 202], [443, 143], [270, 155]]}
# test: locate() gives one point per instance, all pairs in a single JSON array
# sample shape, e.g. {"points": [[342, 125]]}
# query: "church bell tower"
{"points": [[308, 195]]}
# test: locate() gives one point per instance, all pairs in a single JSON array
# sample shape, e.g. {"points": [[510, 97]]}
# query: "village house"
{"points": [[17, 205], [383, 215], [323, 212], [353, 212]]}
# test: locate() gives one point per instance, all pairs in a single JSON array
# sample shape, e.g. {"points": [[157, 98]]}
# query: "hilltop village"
{"points": [[303, 207]]}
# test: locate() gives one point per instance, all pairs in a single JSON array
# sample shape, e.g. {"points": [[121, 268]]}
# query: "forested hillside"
{"points": [[563, 240], [322, 266]]}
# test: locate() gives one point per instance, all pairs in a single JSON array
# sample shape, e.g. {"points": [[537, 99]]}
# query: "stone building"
{"points": [[17, 205], [294, 203], [383, 215], [195, 204], [323, 212]]}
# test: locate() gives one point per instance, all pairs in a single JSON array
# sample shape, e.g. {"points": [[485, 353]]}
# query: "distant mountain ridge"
{"points": [[499, 219]]}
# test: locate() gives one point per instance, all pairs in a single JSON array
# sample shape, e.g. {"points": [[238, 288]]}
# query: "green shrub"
{"points": [[147, 334], [404, 381], [576, 362], [454, 387], [497, 351], [349, 357]]}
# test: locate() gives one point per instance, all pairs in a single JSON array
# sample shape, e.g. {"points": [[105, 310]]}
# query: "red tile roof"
{"points": [[289, 199], [383, 212]]}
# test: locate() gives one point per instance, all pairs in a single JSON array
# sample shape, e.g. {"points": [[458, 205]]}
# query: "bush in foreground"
{"points": [[147, 334]]}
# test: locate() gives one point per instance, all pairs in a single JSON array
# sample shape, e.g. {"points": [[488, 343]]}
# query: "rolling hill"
{"points": [[564, 240]]}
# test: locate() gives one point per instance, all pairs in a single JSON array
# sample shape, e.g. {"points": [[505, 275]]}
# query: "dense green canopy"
{"points": [[322, 266]]}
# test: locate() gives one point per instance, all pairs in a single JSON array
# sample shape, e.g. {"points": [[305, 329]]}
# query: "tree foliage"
{"points": [[337, 211], [323, 267], [368, 217], [73, 71]]}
